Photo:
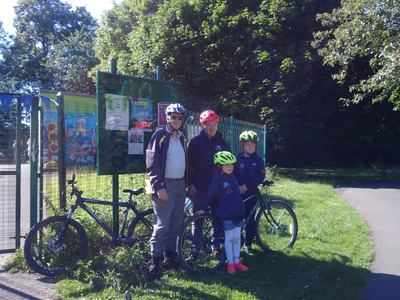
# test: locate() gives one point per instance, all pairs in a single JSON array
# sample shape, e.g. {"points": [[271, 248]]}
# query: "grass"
{"points": [[330, 259], [336, 176]]}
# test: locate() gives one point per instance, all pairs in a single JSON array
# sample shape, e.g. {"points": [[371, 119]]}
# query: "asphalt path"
{"points": [[379, 204], [17, 286]]}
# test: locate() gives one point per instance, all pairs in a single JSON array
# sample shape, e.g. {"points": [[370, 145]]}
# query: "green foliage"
{"points": [[363, 29], [70, 61], [41, 25], [118, 270], [16, 262]]}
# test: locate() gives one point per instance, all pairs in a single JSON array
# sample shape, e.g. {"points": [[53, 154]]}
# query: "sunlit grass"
{"points": [[329, 260]]}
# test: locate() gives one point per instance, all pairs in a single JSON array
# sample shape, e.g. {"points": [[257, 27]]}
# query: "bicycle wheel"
{"points": [[141, 231], [277, 228], [203, 261], [48, 255]]}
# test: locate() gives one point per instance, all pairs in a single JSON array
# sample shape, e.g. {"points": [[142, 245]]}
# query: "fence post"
{"points": [[40, 163], [265, 143], [115, 177], [61, 151], [231, 140], [18, 176], [34, 159]]}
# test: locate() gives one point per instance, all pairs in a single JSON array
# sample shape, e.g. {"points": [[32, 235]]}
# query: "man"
{"points": [[201, 152], [167, 174]]}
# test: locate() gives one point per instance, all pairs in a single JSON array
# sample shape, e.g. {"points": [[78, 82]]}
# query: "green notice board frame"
{"points": [[129, 110]]}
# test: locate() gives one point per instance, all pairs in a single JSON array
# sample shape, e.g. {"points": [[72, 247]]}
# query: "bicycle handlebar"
{"points": [[268, 183]]}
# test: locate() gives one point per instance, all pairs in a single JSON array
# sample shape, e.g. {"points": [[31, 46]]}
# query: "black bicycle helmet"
{"points": [[249, 136]]}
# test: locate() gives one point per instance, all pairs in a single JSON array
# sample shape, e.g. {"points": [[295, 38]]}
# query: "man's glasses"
{"points": [[173, 117]]}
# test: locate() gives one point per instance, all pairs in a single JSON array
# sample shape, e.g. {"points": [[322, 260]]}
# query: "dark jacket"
{"points": [[201, 152], [224, 196], [156, 157], [249, 171]]}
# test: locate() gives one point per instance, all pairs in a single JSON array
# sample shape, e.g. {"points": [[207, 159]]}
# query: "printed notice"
{"points": [[117, 112], [136, 141]]}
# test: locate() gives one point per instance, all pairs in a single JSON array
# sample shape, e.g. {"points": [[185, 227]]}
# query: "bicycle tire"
{"points": [[278, 235], [206, 262], [41, 253], [140, 231]]}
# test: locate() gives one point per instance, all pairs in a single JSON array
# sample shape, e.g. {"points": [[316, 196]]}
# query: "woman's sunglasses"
{"points": [[173, 117]]}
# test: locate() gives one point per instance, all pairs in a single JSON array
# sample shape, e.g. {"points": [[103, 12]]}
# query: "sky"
{"points": [[95, 7]]}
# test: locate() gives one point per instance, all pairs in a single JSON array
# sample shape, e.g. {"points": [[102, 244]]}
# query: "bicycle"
{"points": [[276, 229], [55, 244]]}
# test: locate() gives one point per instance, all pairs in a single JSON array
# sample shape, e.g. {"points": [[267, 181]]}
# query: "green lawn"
{"points": [[330, 259]]}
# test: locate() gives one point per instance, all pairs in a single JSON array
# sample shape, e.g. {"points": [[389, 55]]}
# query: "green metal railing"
{"points": [[231, 129]]}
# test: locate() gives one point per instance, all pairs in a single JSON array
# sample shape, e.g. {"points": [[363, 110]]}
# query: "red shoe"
{"points": [[231, 269], [240, 266]]}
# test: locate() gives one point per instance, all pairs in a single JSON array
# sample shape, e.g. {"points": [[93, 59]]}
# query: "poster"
{"points": [[117, 112], [136, 141], [161, 113], [80, 138], [142, 113]]}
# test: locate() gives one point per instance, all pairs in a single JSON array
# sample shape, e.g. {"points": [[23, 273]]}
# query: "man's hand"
{"points": [[243, 189], [200, 212], [162, 194], [192, 190]]}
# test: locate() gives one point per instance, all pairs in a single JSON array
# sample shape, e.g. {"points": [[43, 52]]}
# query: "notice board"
{"points": [[129, 110]]}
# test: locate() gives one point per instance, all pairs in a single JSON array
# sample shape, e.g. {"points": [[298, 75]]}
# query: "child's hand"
{"points": [[200, 212]]}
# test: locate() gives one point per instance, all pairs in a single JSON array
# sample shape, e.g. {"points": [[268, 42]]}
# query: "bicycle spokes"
{"points": [[276, 227]]}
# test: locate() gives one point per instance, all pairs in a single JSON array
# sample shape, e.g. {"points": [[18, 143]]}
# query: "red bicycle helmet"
{"points": [[208, 116]]}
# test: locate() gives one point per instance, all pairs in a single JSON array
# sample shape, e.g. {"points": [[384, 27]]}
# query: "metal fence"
{"points": [[231, 129], [85, 168]]}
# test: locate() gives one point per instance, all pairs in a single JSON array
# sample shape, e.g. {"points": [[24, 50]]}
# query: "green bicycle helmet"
{"points": [[224, 158], [249, 136]]}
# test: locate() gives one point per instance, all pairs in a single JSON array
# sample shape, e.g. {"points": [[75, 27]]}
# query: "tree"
{"points": [[254, 60], [116, 27], [70, 61], [367, 30], [40, 26], [5, 85]]}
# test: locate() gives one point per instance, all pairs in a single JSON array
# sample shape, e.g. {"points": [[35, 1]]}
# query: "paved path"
{"points": [[379, 204], [25, 286]]}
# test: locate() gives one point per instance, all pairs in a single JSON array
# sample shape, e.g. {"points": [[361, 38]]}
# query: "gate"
{"points": [[18, 168], [12, 144]]}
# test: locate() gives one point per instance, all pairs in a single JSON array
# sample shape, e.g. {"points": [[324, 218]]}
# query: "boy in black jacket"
{"points": [[249, 172]]}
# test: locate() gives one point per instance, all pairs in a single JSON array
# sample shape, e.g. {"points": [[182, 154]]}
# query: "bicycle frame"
{"points": [[80, 202], [262, 202]]}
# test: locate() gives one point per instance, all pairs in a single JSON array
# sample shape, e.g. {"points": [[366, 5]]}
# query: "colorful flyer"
{"points": [[136, 141], [161, 113], [117, 112], [141, 113]]}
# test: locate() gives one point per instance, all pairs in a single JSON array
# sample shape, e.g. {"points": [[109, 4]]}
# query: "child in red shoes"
{"points": [[224, 196]]}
